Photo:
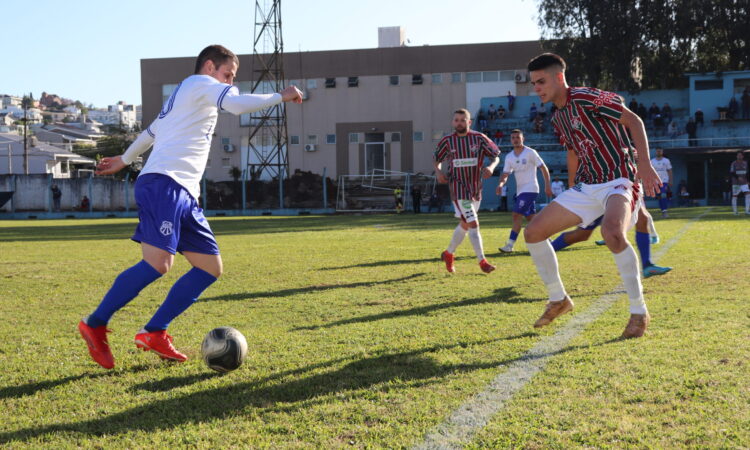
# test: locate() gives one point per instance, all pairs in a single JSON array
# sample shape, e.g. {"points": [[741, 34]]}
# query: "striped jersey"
{"points": [[465, 156], [738, 169], [589, 124]]}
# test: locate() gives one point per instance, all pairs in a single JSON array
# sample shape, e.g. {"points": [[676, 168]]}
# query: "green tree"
{"points": [[235, 173]]}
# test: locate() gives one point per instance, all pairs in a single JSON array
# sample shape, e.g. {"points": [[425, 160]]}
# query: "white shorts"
{"points": [[466, 209], [737, 188], [588, 201]]}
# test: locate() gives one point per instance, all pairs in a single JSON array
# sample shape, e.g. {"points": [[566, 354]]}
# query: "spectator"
{"points": [[684, 196], [733, 108], [726, 189], [56, 196], [746, 103], [501, 112], [85, 203], [557, 186], [511, 101], [498, 137], [532, 112], [642, 113], [416, 199], [482, 120], [653, 111], [633, 106], [666, 112], [658, 124], [503, 199], [673, 130], [491, 112], [398, 197], [435, 203], [542, 111], [692, 131], [698, 117], [539, 124]]}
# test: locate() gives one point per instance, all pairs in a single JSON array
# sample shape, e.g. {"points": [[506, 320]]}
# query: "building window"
{"points": [[507, 75], [707, 85], [396, 137], [294, 140], [353, 138], [330, 138], [437, 78], [226, 162], [353, 81], [474, 77], [418, 136], [312, 139], [330, 82], [490, 76], [416, 79], [393, 80], [312, 84], [456, 77]]}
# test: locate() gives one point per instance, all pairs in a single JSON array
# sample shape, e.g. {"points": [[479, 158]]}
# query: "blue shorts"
{"points": [[525, 203], [594, 224], [170, 218]]}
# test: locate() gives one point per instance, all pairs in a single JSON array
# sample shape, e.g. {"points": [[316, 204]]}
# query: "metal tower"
{"points": [[267, 146]]}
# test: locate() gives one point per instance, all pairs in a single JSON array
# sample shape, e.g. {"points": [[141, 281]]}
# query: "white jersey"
{"points": [[181, 134], [557, 187], [524, 167], [661, 166]]}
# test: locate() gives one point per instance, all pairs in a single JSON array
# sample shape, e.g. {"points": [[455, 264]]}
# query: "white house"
{"points": [[43, 158]]}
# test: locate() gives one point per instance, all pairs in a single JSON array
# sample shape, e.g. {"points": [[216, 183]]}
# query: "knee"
{"points": [[532, 235], [614, 237], [162, 266]]}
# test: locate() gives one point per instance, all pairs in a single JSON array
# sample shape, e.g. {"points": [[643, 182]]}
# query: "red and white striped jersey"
{"points": [[465, 156]]}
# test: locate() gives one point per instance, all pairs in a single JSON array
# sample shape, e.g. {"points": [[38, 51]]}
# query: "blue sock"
{"points": [[643, 241], [559, 243], [663, 202], [513, 236], [126, 287], [184, 293]]}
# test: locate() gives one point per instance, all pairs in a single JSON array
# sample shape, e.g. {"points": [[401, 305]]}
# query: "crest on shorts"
{"points": [[166, 228]]}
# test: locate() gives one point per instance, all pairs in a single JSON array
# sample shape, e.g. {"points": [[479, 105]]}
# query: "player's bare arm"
{"points": [[649, 178], [547, 181], [441, 178], [487, 171], [503, 180]]}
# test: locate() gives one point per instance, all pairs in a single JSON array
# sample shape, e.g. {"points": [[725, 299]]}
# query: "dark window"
{"points": [[393, 80], [374, 137], [330, 82], [353, 81], [395, 137], [416, 79], [707, 85]]}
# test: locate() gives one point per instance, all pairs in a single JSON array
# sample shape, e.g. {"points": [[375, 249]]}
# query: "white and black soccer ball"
{"points": [[224, 349]]}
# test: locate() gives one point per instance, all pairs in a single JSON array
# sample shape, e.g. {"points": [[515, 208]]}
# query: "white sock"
{"points": [[546, 264], [627, 264], [651, 227], [510, 243], [734, 204], [476, 242], [458, 236]]}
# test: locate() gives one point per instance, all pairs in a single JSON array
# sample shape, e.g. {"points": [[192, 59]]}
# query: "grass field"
{"points": [[359, 338]]}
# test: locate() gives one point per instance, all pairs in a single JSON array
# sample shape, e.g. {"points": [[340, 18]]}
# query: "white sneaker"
{"points": [[507, 249]]}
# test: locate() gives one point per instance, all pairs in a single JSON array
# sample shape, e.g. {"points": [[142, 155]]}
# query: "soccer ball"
{"points": [[224, 349]]}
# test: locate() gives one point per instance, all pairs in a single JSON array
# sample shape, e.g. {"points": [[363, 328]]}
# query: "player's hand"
{"points": [[441, 178], [650, 180], [291, 94], [499, 189], [486, 172], [548, 191], [108, 166]]}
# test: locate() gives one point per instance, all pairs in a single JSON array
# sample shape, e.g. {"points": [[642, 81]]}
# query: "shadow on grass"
{"points": [[501, 295], [392, 370], [289, 292]]}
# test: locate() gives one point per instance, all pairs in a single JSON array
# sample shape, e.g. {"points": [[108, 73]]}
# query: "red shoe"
{"points": [[160, 343], [485, 266], [448, 258], [96, 339]]}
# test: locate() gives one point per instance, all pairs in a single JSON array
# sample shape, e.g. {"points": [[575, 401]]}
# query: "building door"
{"points": [[374, 152]]}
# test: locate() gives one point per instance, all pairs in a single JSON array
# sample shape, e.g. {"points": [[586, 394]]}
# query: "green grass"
{"points": [[358, 337]]}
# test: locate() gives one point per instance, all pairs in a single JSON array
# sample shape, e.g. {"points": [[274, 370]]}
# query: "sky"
{"points": [[91, 50]]}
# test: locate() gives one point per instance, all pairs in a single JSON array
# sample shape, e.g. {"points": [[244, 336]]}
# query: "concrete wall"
{"points": [[32, 193]]}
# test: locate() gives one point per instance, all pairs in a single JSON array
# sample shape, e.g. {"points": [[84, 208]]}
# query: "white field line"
{"points": [[458, 429]]}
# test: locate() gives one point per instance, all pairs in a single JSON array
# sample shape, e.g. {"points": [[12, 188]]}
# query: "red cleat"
{"points": [[96, 339], [448, 258], [485, 266], [160, 343]]}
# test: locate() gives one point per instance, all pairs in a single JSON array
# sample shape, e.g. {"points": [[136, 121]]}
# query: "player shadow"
{"points": [[500, 295], [307, 289], [23, 390], [382, 372], [384, 263]]}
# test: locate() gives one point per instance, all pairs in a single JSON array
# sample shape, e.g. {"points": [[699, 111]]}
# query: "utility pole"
{"points": [[26, 103]]}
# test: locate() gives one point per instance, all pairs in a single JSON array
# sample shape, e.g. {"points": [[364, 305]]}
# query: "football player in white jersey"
{"points": [[523, 162], [166, 191], [663, 168], [738, 171]]}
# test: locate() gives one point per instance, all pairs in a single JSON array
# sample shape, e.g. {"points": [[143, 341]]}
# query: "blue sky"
{"points": [[91, 51]]}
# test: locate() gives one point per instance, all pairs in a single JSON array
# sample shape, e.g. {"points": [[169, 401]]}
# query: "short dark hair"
{"points": [[463, 111], [546, 60], [516, 131], [216, 53]]}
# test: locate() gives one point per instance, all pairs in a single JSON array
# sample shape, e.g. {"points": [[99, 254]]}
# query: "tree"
{"points": [[235, 173]]}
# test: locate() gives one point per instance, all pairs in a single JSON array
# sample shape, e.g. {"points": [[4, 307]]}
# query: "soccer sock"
{"points": [[476, 242], [184, 293], [512, 238], [458, 236], [734, 204], [546, 264], [627, 264], [643, 241], [663, 202], [651, 227], [559, 243], [126, 287]]}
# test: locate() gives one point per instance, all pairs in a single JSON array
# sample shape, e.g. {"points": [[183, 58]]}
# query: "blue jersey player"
{"points": [[166, 192]]}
